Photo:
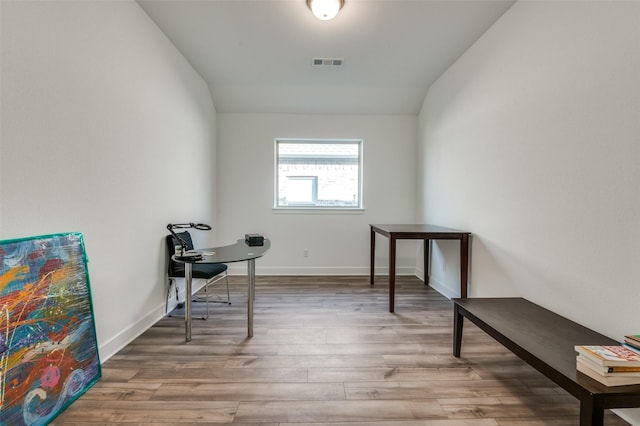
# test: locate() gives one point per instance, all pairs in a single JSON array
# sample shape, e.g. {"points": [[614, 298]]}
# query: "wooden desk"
{"points": [[545, 340], [419, 232]]}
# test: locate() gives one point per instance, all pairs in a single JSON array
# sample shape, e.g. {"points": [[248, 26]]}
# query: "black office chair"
{"points": [[212, 272]]}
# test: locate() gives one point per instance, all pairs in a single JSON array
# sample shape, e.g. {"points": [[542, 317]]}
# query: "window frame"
{"points": [[315, 208]]}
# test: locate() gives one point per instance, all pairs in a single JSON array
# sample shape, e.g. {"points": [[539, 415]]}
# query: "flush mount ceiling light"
{"points": [[325, 9]]}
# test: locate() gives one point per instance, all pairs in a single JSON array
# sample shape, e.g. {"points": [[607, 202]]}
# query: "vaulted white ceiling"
{"points": [[256, 55]]}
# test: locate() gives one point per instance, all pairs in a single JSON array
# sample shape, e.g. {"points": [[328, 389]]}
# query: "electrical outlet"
{"points": [[305, 253]]}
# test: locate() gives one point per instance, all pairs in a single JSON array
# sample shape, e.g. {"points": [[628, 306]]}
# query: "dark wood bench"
{"points": [[545, 341]]}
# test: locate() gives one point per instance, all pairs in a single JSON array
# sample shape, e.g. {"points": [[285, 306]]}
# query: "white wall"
{"points": [[532, 142], [103, 121], [337, 243]]}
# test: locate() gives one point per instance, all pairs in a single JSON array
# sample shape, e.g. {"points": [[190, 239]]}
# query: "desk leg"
{"points": [[392, 272], [591, 410], [251, 265], [464, 265], [188, 268], [458, 322], [372, 267], [427, 247]]}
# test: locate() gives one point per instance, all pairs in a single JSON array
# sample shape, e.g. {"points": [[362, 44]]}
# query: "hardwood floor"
{"points": [[325, 351]]}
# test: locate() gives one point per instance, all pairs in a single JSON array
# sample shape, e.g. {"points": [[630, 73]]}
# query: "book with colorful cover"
{"points": [[610, 356], [633, 341], [607, 380], [609, 371], [635, 337]]}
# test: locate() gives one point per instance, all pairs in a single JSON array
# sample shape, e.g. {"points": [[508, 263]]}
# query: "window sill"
{"points": [[317, 210]]}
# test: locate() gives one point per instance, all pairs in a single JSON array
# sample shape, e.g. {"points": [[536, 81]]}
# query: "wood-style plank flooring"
{"points": [[325, 351]]}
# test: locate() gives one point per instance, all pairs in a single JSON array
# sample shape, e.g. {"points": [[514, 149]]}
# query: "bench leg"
{"points": [[458, 320], [591, 411]]}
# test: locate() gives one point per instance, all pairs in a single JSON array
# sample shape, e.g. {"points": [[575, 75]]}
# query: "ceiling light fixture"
{"points": [[325, 9]]}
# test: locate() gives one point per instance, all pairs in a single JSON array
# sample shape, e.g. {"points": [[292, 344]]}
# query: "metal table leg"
{"points": [[188, 267], [251, 266]]}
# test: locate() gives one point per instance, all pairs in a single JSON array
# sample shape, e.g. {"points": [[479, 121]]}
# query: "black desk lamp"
{"points": [[184, 254]]}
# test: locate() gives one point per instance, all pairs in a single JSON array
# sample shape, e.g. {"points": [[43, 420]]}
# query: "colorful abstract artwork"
{"points": [[48, 348]]}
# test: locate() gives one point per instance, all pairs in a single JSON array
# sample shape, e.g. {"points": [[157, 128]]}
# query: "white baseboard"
{"points": [[126, 336], [444, 289], [439, 285], [240, 269]]}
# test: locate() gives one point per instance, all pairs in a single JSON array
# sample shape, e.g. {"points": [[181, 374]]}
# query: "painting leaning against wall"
{"points": [[48, 347]]}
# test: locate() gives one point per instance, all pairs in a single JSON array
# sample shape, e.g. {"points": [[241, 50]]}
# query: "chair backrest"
{"points": [[176, 269]]}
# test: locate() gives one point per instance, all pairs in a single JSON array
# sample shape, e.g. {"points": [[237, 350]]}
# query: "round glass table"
{"points": [[238, 252]]}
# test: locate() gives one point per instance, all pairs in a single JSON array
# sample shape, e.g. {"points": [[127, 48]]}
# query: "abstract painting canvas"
{"points": [[48, 347]]}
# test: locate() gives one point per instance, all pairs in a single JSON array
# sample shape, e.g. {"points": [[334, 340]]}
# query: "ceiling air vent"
{"points": [[327, 62]]}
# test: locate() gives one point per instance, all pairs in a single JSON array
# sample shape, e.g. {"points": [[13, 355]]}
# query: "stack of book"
{"points": [[610, 365]]}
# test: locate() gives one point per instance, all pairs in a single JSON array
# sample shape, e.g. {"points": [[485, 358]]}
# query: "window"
{"points": [[318, 174]]}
